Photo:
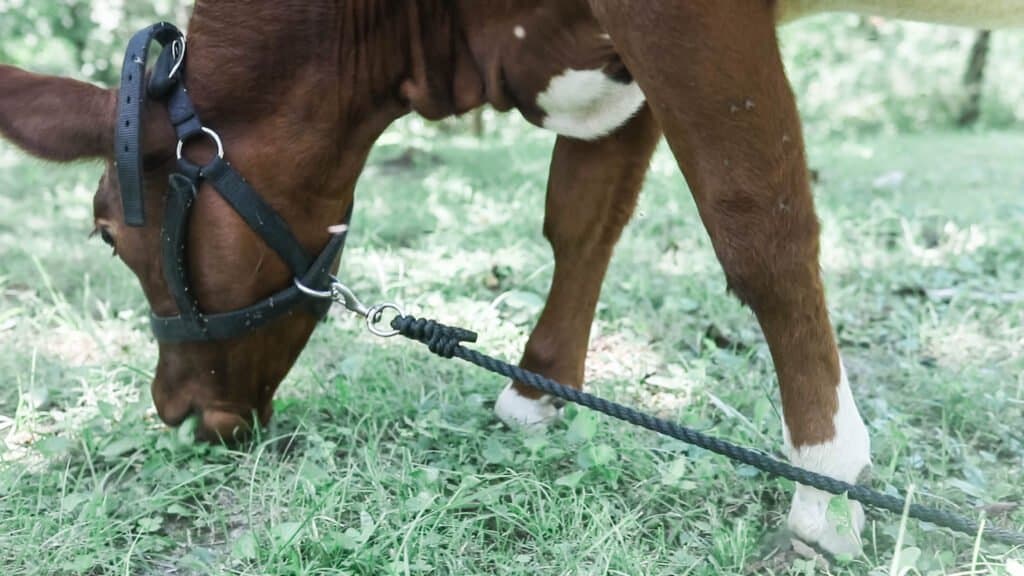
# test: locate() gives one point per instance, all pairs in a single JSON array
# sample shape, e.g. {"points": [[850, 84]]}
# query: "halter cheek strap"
{"points": [[311, 274]]}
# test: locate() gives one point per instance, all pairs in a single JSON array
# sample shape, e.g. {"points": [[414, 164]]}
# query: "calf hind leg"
{"points": [[592, 191], [714, 79]]}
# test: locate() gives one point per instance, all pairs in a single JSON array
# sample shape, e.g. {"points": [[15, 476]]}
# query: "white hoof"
{"points": [[517, 411], [809, 519]]}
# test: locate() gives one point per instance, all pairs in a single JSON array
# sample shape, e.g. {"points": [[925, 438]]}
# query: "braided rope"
{"points": [[447, 342]]}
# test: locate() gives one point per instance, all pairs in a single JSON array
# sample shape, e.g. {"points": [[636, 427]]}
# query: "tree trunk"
{"points": [[478, 123], [974, 76]]}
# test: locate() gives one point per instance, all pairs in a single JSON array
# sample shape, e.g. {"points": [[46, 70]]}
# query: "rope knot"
{"points": [[440, 339]]}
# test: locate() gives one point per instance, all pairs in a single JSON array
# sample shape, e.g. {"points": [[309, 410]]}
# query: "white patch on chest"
{"points": [[844, 458], [974, 13], [586, 104]]}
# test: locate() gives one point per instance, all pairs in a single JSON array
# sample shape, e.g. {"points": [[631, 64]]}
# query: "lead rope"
{"points": [[447, 342]]}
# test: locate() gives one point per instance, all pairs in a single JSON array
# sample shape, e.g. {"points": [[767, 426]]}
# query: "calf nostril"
{"points": [[223, 426], [172, 405]]}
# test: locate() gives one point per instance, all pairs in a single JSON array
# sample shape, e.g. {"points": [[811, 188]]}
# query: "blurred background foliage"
{"points": [[81, 38], [852, 74], [866, 74]]}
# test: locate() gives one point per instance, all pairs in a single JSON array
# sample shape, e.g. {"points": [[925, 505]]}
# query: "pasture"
{"points": [[383, 459]]}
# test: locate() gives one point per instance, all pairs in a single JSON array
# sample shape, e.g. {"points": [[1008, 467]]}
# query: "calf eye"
{"points": [[106, 237]]}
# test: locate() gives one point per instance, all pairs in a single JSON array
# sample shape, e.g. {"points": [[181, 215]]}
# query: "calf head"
{"points": [[227, 383]]}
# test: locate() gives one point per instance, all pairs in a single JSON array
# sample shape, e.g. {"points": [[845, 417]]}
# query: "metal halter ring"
{"points": [[321, 294], [374, 317], [212, 135]]}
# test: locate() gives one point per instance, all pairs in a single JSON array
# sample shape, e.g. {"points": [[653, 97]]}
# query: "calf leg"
{"points": [[592, 190], [714, 79]]}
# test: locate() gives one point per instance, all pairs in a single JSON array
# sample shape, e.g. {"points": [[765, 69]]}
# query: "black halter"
{"points": [[166, 84]]}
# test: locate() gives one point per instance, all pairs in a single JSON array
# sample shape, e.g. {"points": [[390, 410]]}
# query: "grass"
{"points": [[385, 460]]}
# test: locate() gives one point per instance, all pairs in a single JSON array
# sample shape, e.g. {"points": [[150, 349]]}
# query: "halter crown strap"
{"points": [[130, 101]]}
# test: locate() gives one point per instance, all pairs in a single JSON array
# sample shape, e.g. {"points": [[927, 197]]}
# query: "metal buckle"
{"points": [[178, 51]]}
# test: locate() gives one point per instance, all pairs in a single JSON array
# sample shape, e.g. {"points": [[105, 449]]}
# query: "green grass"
{"points": [[385, 460]]}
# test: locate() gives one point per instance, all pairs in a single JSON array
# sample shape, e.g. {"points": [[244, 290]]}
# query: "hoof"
{"points": [[811, 522], [519, 412]]}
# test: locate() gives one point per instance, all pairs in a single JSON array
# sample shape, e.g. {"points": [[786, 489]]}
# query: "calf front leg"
{"points": [[714, 79], [592, 191]]}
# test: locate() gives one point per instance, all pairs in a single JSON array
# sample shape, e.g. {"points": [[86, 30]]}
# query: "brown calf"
{"points": [[300, 93]]}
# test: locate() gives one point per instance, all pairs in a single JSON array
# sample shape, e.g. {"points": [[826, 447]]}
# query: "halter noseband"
{"points": [[311, 274]]}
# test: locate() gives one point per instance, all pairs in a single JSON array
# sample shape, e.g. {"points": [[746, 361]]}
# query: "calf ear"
{"points": [[56, 118]]}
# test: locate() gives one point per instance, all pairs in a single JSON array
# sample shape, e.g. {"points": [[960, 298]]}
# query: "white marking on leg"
{"points": [[587, 104], [519, 32], [517, 411], [844, 457]]}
